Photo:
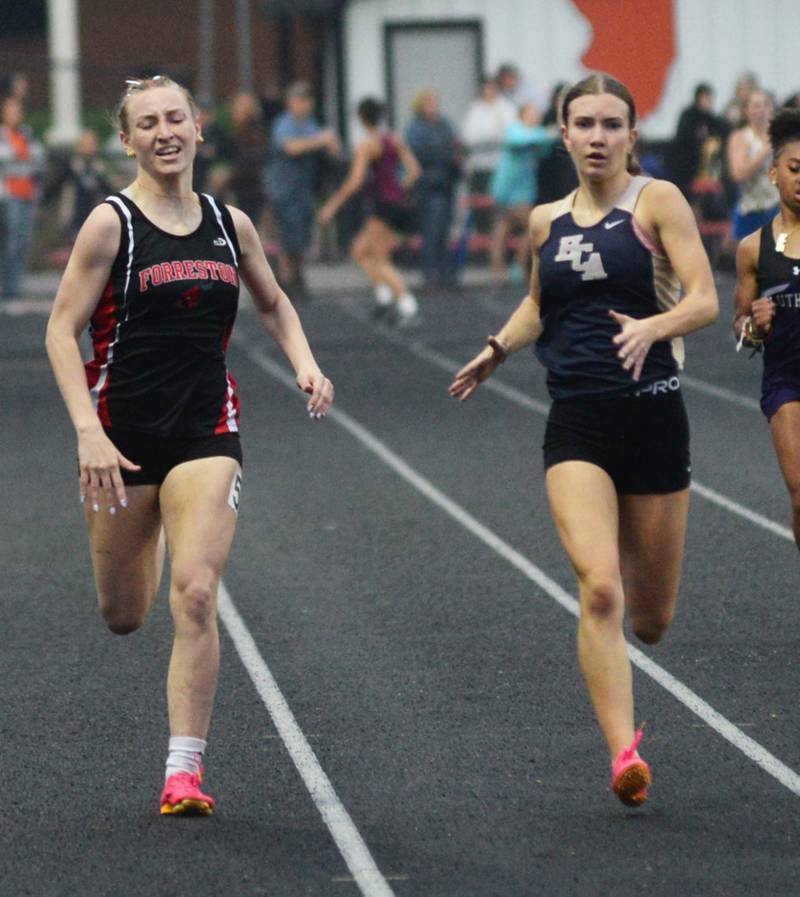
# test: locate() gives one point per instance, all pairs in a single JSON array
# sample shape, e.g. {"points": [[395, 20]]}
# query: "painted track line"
{"points": [[753, 517], [719, 392], [731, 733], [512, 394], [351, 845]]}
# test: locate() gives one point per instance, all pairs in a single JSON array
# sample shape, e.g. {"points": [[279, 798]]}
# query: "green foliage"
{"points": [[39, 120], [100, 120]]}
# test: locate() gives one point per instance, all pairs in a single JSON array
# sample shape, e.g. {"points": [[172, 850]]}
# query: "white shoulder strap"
{"points": [[627, 202], [563, 206]]}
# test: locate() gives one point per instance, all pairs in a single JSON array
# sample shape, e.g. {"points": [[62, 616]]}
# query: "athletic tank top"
{"points": [[779, 278], [757, 192], [384, 186], [586, 271], [161, 327]]}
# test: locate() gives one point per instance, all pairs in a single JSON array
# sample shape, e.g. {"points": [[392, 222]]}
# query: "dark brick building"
{"points": [[123, 39]]}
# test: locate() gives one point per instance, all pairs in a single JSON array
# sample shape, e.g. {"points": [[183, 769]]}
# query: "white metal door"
{"points": [[445, 56]]}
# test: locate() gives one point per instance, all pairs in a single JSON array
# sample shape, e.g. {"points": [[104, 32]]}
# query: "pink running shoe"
{"points": [[630, 775], [182, 794]]}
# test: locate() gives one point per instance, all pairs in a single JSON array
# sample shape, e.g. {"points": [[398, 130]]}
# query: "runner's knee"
{"points": [[601, 597], [121, 618], [194, 600], [651, 627]]}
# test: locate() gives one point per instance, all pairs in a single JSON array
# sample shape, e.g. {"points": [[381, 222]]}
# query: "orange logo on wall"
{"points": [[634, 42]]}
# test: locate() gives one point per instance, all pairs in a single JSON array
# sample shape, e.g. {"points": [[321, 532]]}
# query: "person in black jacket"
{"points": [[81, 182], [556, 171], [696, 124]]}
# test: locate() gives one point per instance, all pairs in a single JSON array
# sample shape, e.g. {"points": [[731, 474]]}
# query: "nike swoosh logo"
{"points": [[609, 224]]}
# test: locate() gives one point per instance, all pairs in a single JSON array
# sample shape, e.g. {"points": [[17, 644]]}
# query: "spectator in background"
{"points": [[82, 182], [515, 88], [433, 141], [482, 134], [18, 85], [21, 164], [297, 143], [792, 101], [735, 112], [249, 149], [557, 175], [749, 160], [515, 190], [210, 173], [551, 116], [697, 123], [271, 106]]}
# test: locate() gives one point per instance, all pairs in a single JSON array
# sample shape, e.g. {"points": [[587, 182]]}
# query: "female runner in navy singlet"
{"points": [[155, 271], [604, 311], [768, 302]]}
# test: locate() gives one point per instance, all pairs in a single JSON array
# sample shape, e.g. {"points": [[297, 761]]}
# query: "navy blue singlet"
{"points": [[161, 327], [584, 272], [778, 277]]}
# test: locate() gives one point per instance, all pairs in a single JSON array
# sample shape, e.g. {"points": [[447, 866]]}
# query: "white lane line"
{"points": [[735, 508], [496, 386], [719, 392], [350, 843], [731, 733], [15, 308], [448, 364], [512, 394]]}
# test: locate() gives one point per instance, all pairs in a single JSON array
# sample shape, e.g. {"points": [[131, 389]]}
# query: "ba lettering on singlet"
{"points": [[162, 325], [581, 257], [585, 272]]}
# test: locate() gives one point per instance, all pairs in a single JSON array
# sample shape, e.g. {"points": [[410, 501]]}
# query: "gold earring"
{"points": [[130, 153], [201, 139]]}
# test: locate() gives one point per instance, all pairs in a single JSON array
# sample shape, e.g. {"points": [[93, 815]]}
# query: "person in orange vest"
{"points": [[21, 161]]}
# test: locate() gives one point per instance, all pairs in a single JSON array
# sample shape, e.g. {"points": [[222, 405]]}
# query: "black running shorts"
{"points": [[398, 216], [157, 455], [641, 441]]}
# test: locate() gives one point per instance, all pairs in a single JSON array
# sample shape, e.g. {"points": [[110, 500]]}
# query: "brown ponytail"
{"points": [[633, 165]]}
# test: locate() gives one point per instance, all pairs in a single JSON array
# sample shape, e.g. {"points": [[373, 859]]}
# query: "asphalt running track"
{"points": [[400, 709]]}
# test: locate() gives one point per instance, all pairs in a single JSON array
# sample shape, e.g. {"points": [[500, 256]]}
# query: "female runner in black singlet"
{"points": [[768, 302], [155, 270], [604, 313]]}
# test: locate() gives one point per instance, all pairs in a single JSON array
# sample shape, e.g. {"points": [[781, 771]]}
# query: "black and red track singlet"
{"points": [[161, 327]]}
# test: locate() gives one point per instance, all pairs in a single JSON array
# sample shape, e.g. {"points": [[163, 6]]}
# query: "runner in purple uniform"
{"points": [[768, 302]]}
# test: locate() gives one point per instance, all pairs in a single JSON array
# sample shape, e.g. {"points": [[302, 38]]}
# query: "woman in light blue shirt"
{"points": [[515, 190]]}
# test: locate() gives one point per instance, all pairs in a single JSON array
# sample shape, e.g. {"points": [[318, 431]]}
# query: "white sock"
{"points": [[407, 305], [384, 295], [185, 755]]}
